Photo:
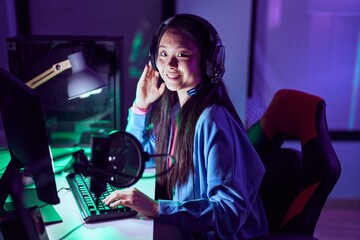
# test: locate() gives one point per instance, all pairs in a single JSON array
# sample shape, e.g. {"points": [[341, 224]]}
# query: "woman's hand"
{"points": [[134, 199], [147, 90]]}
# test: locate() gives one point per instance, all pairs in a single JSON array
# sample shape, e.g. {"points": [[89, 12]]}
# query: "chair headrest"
{"points": [[293, 113]]}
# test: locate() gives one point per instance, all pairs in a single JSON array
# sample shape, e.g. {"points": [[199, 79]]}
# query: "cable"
{"points": [[63, 188], [71, 231], [173, 161]]}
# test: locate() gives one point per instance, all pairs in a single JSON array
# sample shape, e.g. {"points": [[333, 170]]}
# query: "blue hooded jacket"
{"points": [[220, 198]]}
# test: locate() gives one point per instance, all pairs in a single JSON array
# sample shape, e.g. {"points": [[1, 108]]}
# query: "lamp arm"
{"points": [[48, 74]]}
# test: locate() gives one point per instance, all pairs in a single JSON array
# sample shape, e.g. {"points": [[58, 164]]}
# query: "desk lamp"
{"points": [[83, 82]]}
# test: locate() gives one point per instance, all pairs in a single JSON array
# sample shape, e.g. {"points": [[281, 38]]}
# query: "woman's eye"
{"points": [[183, 54], [163, 54]]}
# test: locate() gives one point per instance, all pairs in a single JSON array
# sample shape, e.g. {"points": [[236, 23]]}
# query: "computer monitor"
{"points": [[26, 135]]}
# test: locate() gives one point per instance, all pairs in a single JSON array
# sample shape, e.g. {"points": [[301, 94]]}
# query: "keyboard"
{"points": [[86, 201]]}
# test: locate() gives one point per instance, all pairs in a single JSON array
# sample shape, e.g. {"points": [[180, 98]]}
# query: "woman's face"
{"points": [[178, 61]]}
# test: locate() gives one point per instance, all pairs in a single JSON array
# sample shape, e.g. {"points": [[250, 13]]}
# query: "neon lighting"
{"points": [[85, 95], [355, 87]]}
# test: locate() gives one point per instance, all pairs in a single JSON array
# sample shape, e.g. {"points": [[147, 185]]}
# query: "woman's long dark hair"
{"points": [[209, 94]]}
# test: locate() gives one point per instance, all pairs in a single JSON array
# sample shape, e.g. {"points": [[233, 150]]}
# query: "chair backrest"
{"points": [[297, 183]]}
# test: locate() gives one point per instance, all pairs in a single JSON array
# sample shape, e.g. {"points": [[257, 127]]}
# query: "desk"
{"points": [[137, 228], [134, 228]]}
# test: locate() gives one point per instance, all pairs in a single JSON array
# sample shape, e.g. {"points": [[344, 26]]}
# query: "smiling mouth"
{"points": [[173, 76]]}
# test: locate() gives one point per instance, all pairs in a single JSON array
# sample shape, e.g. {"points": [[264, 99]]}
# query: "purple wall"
{"points": [[310, 45]]}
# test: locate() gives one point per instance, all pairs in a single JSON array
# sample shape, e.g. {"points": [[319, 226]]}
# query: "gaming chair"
{"points": [[296, 183]]}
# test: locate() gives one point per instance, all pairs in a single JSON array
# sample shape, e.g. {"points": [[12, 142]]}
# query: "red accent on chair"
{"points": [[291, 113], [297, 206]]}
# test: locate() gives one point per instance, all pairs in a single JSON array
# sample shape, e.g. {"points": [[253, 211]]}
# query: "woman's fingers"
{"points": [[144, 73], [134, 199], [114, 197], [162, 88], [120, 197], [148, 89]]}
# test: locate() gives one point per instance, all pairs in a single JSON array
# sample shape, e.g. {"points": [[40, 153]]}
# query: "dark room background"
{"points": [[311, 45]]}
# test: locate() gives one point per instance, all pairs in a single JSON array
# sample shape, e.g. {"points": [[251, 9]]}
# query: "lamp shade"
{"points": [[83, 79]]}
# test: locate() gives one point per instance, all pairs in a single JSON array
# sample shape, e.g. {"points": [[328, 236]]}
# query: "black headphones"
{"points": [[214, 68]]}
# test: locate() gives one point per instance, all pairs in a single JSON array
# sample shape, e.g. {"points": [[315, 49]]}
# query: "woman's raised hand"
{"points": [[147, 90]]}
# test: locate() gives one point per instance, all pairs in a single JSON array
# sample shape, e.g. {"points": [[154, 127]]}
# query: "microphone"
{"points": [[99, 159], [201, 86], [193, 91], [117, 158]]}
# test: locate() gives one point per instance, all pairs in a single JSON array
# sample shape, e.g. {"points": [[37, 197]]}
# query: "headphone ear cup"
{"points": [[219, 63], [215, 67], [152, 53]]}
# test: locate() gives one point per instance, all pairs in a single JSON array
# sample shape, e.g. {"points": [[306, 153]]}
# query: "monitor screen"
{"points": [[72, 122], [27, 138]]}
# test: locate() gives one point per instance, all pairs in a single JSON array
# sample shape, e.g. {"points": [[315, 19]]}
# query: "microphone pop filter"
{"points": [[126, 159]]}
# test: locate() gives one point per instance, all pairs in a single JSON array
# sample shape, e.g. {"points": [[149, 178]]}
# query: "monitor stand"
{"points": [[48, 212], [22, 218]]}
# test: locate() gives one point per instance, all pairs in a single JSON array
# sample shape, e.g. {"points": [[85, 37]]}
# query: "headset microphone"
{"points": [[193, 91]]}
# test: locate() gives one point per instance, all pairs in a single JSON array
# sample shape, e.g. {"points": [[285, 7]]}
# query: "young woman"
{"points": [[182, 108]]}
